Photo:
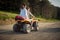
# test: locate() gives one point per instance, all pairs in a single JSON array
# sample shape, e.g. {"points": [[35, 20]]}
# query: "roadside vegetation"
{"points": [[47, 20], [8, 18], [7, 15]]}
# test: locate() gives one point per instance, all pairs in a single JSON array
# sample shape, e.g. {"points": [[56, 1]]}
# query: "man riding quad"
{"points": [[24, 23]]}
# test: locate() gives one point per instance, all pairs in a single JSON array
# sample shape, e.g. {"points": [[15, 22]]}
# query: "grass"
{"points": [[8, 18], [7, 15], [47, 20], [10, 15]]}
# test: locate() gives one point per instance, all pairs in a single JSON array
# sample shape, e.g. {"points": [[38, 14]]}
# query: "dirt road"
{"points": [[48, 31]]}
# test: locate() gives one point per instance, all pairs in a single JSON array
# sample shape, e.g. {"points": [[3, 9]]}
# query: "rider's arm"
{"points": [[31, 14]]}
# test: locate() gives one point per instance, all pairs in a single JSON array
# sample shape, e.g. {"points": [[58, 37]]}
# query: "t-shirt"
{"points": [[24, 13]]}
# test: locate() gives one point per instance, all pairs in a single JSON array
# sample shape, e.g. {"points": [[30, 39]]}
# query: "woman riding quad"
{"points": [[25, 23]]}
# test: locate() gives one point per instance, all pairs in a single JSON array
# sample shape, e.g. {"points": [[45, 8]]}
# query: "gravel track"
{"points": [[48, 31]]}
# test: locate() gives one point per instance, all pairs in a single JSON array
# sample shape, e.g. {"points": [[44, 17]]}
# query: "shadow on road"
{"points": [[53, 30], [47, 30], [9, 32]]}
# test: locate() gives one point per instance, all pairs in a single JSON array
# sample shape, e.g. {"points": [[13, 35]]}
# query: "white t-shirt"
{"points": [[24, 13]]}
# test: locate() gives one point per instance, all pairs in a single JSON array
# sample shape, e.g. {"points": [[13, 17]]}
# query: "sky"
{"points": [[55, 2]]}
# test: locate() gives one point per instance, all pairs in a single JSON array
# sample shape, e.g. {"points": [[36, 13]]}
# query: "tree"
{"points": [[38, 8], [34, 4], [48, 10]]}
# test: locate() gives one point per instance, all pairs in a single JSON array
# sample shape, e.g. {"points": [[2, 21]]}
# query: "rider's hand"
{"points": [[33, 16]]}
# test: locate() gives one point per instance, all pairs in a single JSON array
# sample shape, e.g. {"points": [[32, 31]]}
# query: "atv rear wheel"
{"points": [[16, 28]]}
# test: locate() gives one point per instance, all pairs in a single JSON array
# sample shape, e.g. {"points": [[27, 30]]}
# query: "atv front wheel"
{"points": [[36, 26], [27, 28]]}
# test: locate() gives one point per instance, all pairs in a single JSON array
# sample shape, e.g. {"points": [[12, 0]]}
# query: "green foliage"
{"points": [[24, 1], [47, 20], [6, 15], [38, 8]]}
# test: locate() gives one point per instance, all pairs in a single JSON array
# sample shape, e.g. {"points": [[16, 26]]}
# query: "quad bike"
{"points": [[23, 25]]}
